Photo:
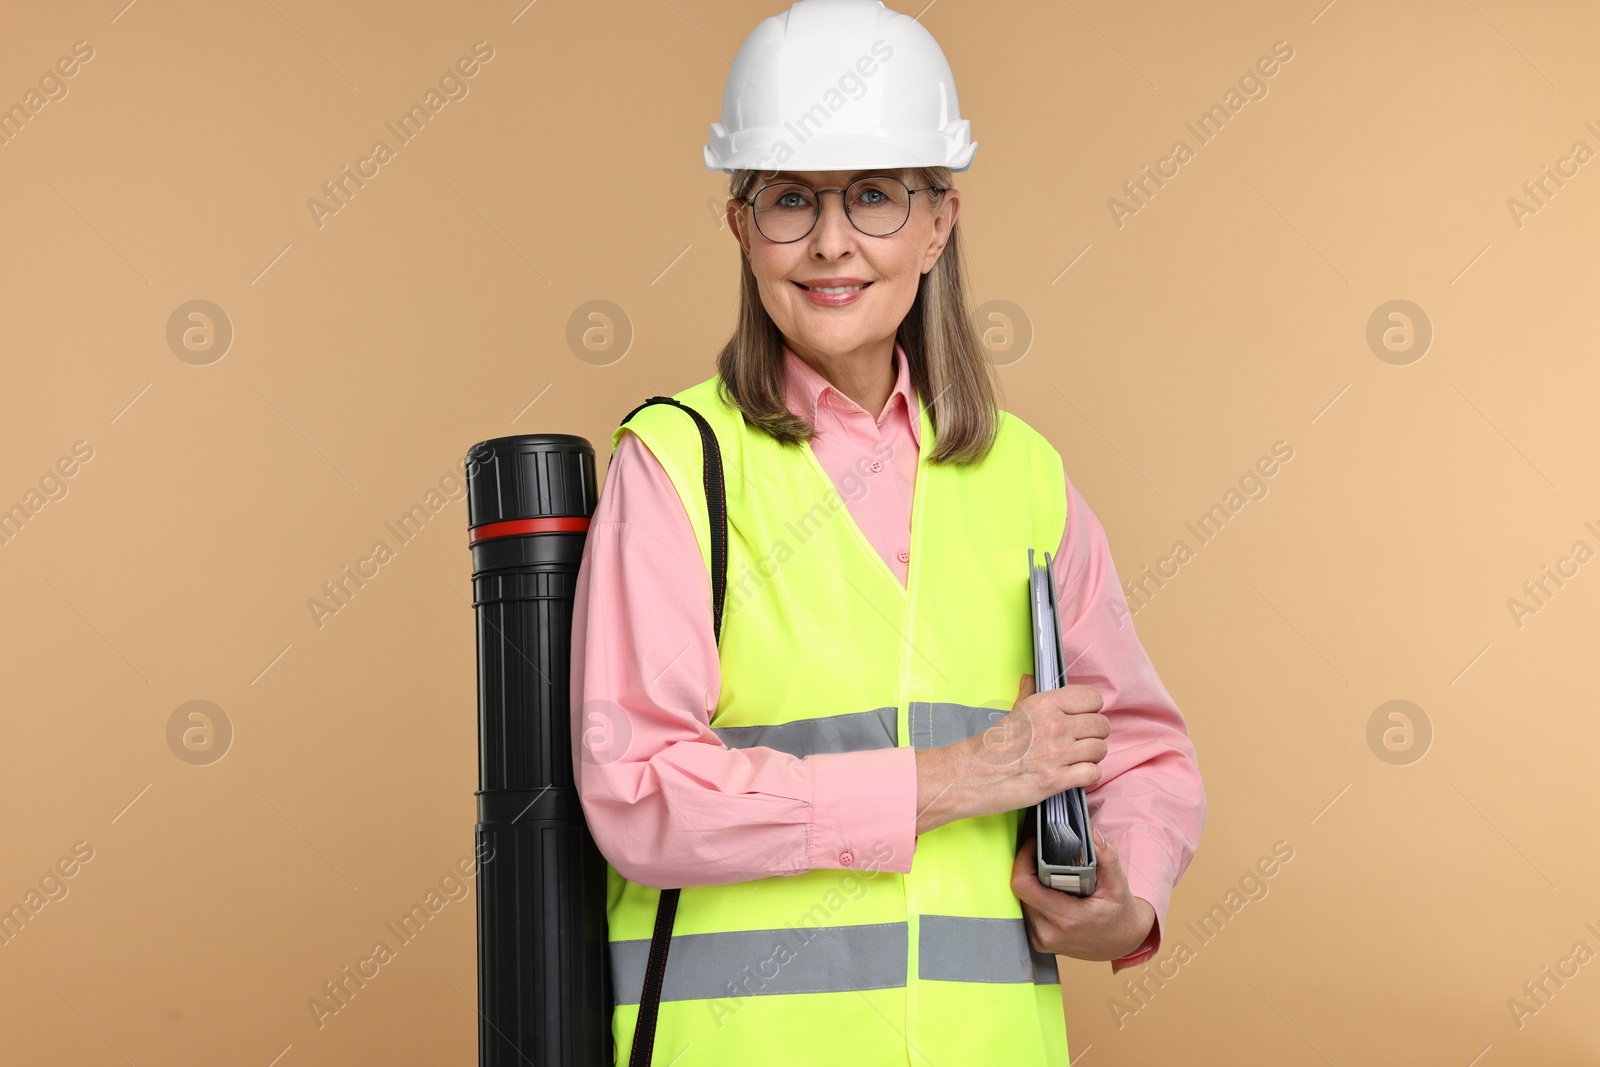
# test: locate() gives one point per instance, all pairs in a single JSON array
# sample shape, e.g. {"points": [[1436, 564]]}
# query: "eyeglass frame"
{"points": [[816, 208]]}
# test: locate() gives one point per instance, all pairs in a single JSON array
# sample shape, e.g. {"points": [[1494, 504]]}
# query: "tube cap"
{"points": [[530, 476]]}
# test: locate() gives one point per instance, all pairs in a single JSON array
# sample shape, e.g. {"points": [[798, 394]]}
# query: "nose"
{"points": [[834, 232]]}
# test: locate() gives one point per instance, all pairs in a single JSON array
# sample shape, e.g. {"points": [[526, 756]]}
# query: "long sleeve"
{"points": [[668, 803], [1149, 802]]}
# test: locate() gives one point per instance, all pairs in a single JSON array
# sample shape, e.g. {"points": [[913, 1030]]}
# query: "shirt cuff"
{"points": [[863, 810], [1150, 876]]}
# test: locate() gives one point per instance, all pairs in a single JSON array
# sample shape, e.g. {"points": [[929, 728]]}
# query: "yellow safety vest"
{"points": [[823, 650]]}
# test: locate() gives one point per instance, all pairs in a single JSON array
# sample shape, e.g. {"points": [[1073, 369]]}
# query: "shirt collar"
{"points": [[806, 390]]}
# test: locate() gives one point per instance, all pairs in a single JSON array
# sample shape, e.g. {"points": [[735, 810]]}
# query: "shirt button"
{"points": [[875, 466], [846, 858], [904, 556]]}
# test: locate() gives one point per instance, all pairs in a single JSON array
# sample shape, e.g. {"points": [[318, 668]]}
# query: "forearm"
{"points": [[940, 797], [702, 814]]}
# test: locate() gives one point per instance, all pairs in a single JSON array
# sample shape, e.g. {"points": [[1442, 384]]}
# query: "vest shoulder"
{"points": [[706, 398], [1026, 451], [1014, 432], [666, 427]]}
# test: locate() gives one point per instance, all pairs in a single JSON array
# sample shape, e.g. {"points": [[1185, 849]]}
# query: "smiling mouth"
{"points": [[834, 288]]}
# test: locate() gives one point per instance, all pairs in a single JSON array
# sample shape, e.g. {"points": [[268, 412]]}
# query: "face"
{"points": [[837, 253]]}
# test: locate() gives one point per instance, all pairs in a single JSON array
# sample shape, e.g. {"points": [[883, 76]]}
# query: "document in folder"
{"points": [[1061, 823]]}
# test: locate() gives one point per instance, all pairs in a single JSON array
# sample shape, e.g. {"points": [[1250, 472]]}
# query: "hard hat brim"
{"points": [[761, 150]]}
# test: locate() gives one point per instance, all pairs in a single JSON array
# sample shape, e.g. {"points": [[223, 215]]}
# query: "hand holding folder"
{"points": [[1061, 822]]}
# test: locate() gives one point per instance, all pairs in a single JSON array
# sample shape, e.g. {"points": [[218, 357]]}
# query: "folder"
{"points": [[1060, 823]]}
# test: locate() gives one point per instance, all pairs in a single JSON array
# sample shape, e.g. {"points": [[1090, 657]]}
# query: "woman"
{"points": [[835, 779]]}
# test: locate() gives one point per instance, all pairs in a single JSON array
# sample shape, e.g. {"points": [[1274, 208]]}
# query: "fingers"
{"points": [[1025, 879], [1025, 873], [1086, 725], [1084, 700], [1040, 904], [1082, 703], [1034, 940], [1024, 864], [1076, 699], [1072, 698], [1081, 774], [1111, 877]]}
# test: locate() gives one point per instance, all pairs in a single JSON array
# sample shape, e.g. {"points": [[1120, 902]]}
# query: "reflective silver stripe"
{"points": [[742, 963], [852, 732], [934, 725], [960, 948]]}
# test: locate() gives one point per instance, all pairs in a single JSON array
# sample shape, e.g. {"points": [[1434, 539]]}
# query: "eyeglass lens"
{"points": [[877, 206]]}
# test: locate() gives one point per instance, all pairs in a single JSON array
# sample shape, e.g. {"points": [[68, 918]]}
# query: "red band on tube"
{"points": [[512, 527]]}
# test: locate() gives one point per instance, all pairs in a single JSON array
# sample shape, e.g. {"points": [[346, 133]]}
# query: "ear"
{"points": [[944, 219], [735, 217]]}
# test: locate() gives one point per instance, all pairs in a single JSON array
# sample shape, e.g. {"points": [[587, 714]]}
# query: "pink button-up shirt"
{"points": [[670, 805]]}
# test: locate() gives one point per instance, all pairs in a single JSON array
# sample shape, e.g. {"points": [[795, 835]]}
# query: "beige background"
{"points": [[432, 310]]}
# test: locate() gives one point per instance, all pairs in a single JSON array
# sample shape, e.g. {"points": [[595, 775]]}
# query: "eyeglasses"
{"points": [[877, 205]]}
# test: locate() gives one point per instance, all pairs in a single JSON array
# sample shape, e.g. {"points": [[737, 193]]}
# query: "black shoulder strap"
{"points": [[716, 504], [644, 1032]]}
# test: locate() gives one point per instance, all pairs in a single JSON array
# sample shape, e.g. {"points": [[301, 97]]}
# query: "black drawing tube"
{"points": [[544, 988]]}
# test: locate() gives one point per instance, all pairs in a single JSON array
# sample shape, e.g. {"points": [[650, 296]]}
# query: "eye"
{"points": [[785, 199], [875, 193]]}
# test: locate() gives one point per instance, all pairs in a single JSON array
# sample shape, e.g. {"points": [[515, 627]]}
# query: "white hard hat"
{"points": [[840, 85]]}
